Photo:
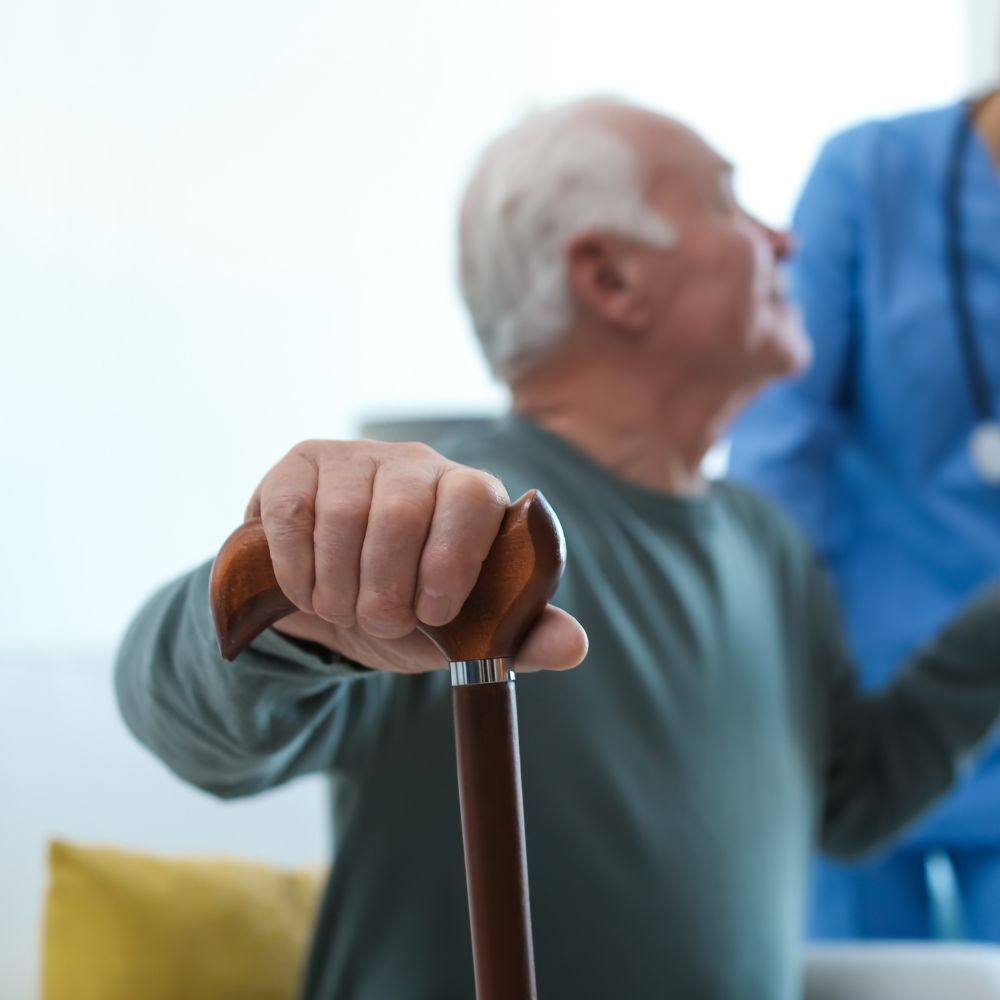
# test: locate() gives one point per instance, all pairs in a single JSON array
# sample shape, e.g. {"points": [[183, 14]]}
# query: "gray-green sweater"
{"points": [[674, 784]]}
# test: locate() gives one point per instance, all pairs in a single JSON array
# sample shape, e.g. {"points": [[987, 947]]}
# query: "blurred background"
{"points": [[228, 226]]}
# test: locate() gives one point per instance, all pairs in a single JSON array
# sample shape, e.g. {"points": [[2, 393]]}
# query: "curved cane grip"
{"points": [[243, 591], [519, 575]]}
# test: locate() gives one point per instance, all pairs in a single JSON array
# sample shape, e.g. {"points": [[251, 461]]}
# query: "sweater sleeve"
{"points": [[890, 754], [278, 711]]}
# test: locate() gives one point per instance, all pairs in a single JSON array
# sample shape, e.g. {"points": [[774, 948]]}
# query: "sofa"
{"points": [[70, 770]]}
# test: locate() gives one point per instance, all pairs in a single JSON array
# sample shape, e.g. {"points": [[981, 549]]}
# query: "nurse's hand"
{"points": [[368, 538]]}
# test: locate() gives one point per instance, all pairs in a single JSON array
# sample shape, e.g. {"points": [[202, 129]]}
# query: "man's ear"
{"points": [[606, 279]]}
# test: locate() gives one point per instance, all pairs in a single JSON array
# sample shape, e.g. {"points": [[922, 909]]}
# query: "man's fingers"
{"points": [[402, 506], [368, 538], [343, 502], [287, 509], [469, 507], [557, 642]]}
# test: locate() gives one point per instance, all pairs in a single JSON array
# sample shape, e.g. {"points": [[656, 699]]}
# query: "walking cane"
{"points": [[518, 577]]}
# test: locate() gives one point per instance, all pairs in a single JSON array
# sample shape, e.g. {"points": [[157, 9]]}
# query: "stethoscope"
{"points": [[984, 442]]}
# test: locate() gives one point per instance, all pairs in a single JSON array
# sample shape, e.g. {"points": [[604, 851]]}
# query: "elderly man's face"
{"points": [[719, 294]]}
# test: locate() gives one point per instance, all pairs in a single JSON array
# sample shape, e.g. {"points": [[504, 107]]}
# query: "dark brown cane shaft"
{"points": [[496, 867]]}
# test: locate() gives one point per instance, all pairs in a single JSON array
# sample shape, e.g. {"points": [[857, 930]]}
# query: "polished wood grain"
{"points": [[496, 864], [243, 592]]}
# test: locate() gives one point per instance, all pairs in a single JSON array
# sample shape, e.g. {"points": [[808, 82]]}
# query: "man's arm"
{"points": [[281, 710], [892, 753]]}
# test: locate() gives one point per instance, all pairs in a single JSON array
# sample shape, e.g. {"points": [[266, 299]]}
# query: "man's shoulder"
{"points": [[487, 441], [516, 452]]}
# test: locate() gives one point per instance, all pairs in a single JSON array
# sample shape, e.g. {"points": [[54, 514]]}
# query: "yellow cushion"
{"points": [[125, 926]]}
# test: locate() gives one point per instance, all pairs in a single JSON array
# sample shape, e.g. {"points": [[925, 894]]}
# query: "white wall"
{"points": [[982, 43], [226, 226]]}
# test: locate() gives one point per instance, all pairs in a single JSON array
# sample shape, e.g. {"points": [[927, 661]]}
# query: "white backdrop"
{"points": [[227, 225]]}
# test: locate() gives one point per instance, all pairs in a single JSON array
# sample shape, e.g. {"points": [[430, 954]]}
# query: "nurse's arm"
{"points": [[891, 754]]}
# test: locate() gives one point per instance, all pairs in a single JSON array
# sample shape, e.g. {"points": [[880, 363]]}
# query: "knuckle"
{"points": [[405, 511], [495, 493], [476, 486], [391, 598], [308, 448], [341, 513], [288, 512], [320, 451], [406, 454], [308, 452], [385, 605], [419, 451], [391, 450], [353, 449]]}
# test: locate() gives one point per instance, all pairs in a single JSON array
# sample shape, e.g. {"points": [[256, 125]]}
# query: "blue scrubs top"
{"points": [[869, 449]]}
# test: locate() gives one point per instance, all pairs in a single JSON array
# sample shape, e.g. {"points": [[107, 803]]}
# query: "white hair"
{"points": [[558, 175]]}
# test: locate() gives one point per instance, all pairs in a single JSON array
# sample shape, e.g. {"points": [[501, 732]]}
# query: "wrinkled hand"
{"points": [[369, 538]]}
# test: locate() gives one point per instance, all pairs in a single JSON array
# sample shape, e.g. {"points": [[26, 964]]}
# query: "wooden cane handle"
{"points": [[518, 577]]}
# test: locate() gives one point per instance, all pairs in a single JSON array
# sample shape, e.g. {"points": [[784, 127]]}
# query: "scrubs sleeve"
{"points": [[888, 755], [786, 444], [281, 709]]}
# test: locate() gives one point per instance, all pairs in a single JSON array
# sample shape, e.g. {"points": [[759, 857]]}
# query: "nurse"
{"points": [[887, 451]]}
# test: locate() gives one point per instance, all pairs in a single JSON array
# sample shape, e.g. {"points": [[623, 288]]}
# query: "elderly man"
{"points": [[676, 783]]}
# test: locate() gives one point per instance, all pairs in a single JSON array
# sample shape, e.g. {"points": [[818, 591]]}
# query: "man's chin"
{"points": [[798, 359], [789, 351]]}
